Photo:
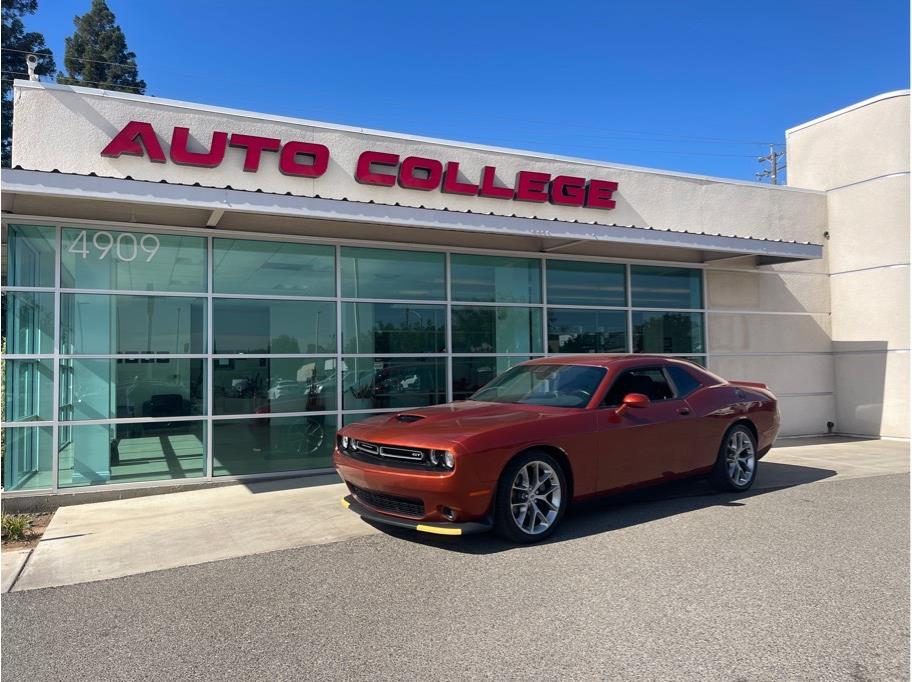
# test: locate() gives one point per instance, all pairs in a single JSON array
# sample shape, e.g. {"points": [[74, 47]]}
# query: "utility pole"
{"points": [[773, 171]]}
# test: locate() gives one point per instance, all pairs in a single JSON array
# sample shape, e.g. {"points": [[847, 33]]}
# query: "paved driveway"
{"points": [[804, 582]]}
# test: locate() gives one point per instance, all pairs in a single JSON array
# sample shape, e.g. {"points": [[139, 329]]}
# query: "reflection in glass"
{"points": [[28, 322], [263, 326], [470, 374], [496, 330], [112, 324], [263, 385], [658, 332], [376, 383], [587, 331], [131, 387], [27, 458], [658, 287], [29, 390], [385, 273], [96, 454], [583, 283], [272, 444], [30, 251], [244, 266], [495, 279], [393, 328], [131, 261], [361, 416]]}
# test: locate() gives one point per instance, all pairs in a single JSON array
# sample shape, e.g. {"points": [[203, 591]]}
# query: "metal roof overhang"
{"points": [[79, 197]]}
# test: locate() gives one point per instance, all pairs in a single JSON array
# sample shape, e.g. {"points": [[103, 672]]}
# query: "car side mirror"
{"points": [[635, 400]]}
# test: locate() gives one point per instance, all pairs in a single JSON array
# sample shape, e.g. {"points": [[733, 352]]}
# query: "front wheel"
{"points": [[532, 496], [736, 464]]}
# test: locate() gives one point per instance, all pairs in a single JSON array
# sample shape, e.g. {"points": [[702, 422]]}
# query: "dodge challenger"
{"points": [[551, 431]]}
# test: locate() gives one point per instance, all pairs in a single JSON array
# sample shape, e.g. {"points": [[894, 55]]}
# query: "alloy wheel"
{"points": [[535, 497], [740, 459]]}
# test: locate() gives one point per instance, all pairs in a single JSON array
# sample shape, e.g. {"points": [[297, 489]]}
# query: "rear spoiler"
{"points": [[749, 384]]}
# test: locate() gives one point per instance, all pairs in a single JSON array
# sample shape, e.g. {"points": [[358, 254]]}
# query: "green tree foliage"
{"points": [[17, 44], [97, 56]]}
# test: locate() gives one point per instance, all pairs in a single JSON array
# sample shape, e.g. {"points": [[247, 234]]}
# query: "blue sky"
{"points": [[689, 86]]}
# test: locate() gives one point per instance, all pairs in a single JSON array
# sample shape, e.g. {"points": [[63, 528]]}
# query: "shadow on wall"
{"points": [[628, 509], [860, 368]]}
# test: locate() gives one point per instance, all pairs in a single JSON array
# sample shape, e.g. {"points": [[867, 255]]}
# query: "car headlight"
{"points": [[448, 461], [441, 458], [345, 442]]}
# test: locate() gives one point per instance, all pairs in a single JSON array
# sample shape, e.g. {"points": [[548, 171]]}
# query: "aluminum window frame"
{"points": [[339, 413]]}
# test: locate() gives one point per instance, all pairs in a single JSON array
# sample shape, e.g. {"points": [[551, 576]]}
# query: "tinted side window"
{"points": [[683, 381], [650, 382]]}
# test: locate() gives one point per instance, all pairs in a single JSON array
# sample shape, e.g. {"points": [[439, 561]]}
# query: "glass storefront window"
{"points": [[393, 328], [29, 390], [102, 324], [96, 454], [495, 279], [243, 266], [131, 261], [278, 326], [273, 385], [28, 457], [272, 444], [390, 274], [587, 331], [470, 374], [584, 283], [496, 330], [131, 387], [667, 332], [28, 322], [377, 383], [30, 255], [660, 287]]}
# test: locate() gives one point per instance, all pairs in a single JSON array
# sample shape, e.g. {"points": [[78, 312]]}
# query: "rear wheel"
{"points": [[736, 465], [532, 496]]}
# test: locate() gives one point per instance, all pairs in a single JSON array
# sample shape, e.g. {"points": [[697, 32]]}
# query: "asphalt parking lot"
{"points": [[809, 582]]}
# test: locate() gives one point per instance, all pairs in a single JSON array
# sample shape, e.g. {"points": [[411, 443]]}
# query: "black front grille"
{"points": [[390, 503]]}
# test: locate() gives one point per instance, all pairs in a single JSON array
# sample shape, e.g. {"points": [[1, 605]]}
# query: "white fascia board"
{"points": [[38, 183], [179, 104], [845, 110]]}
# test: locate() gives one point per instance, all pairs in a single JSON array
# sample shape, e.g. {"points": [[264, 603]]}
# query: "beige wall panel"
{"points": [[752, 290], [871, 309], [856, 144], [874, 393], [758, 333], [869, 224], [806, 415], [782, 373]]}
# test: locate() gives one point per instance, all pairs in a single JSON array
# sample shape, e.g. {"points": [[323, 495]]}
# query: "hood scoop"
{"points": [[408, 418]]}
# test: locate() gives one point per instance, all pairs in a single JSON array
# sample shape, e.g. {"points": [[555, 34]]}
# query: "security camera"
{"points": [[31, 62]]}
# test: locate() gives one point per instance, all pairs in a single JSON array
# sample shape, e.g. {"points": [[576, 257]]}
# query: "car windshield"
{"points": [[552, 385]]}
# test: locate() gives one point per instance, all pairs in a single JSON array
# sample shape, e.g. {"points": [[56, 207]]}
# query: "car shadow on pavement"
{"points": [[623, 510]]}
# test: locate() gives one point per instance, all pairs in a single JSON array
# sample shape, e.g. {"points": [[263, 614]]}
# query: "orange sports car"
{"points": [[550, 431]]}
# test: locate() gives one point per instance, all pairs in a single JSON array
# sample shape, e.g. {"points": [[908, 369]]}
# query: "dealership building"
{"points": [[193, 293]]}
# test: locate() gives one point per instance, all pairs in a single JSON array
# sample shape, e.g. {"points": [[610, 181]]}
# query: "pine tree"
{"points": [[97, 56], [17, 44]]}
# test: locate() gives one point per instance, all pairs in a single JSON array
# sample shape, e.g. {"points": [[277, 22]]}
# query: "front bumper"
{"points": [[365, 512]]}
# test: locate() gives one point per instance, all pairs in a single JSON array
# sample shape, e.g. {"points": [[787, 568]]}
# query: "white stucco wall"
{"points": [[860, 157]]}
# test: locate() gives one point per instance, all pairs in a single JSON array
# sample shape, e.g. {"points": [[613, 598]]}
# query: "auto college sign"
{"points": [[311, 160]]}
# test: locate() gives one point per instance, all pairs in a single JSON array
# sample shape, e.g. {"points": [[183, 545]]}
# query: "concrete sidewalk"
{"points": [[125, 537]]}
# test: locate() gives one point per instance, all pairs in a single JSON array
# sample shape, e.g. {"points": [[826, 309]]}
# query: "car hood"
{"points": [[451, 423]]}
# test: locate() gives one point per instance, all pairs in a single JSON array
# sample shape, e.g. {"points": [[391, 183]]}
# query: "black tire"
{"points": [[505, 524], [730, 472]]}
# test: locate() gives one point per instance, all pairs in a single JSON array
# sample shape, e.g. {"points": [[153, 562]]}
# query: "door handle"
{"points": [[684, 410]]}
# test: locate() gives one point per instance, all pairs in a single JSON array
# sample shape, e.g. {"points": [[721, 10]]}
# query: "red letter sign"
{"points": [[599, 194], [125, 142], [451, 183], [255, 145], [567, 190], [489, 189], [210, 159], [289, 165], [432, 168], [366, 176], [532, 186]]}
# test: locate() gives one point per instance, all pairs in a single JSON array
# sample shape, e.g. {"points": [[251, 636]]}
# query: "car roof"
{"points": [[602, 359]]}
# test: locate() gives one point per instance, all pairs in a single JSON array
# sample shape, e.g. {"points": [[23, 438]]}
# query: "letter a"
{"points": [[135, 136]]}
